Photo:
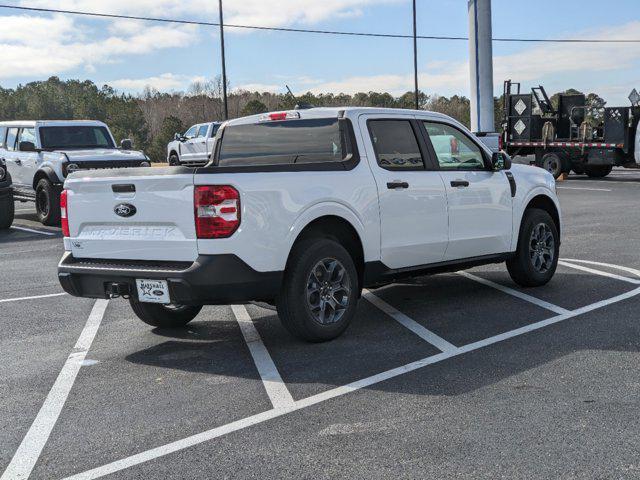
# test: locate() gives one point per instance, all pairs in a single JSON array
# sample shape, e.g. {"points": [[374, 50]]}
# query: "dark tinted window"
{"points": [[3, 135], [284, 142], [395, 144], [12, 134], [68, 137]]}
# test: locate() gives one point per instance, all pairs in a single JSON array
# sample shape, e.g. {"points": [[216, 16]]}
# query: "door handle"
{"points": [[397, 184], [18, 161], [459, 183]]}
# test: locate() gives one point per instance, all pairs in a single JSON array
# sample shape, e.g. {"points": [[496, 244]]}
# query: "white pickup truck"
{"points": [[304, 209], [40, 154], [194, 147]]}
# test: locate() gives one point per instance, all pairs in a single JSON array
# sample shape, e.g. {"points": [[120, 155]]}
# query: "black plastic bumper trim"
{"points": [[210, 280]]}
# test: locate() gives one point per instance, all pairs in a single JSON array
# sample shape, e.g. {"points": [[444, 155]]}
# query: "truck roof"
{"points": [[51, 123], [328, 112]]}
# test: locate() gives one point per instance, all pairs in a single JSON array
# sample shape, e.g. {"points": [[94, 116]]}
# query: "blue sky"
{"points": [[131, 54]]}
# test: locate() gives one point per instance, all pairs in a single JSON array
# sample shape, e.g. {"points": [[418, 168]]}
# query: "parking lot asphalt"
{"points": [[449, 376]]}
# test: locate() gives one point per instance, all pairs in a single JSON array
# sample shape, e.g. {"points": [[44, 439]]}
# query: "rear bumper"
{"points": [[210, 280]]}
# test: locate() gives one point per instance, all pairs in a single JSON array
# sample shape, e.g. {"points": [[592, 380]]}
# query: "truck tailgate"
{"points": [[140, 214]]}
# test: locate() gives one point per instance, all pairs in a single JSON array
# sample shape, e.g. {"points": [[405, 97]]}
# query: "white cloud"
{"points": [[578, 64], [35, 46], [259, 87], [273, 13], [164, 82]]}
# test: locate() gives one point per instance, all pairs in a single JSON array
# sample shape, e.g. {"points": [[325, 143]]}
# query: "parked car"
{"points": [[194, 147], [40, 154], [304, 209], [6, 197]]}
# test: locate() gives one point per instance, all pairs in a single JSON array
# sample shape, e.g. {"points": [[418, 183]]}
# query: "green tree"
{"points": [[253, 108], [158, 149]]}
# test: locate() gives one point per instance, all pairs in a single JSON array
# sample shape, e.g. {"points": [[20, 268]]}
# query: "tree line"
{"points": [[152, 118]]}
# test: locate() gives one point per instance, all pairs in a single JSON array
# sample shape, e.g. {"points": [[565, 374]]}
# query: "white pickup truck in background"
{"points": [[304, 209], [194, 147], [40, 154]]}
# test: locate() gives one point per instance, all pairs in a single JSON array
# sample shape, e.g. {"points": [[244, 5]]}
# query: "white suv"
{"points": [[304, 209], [40, 154], [194, 147]]}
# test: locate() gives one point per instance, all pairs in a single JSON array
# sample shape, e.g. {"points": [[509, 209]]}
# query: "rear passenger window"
{"points": [[203, 131], [395, 145], [3, 135], [12, 134]]}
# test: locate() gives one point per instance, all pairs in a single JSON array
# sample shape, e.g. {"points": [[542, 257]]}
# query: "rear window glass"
{"points": [[283, 143], [12, 135], [3, 135]]}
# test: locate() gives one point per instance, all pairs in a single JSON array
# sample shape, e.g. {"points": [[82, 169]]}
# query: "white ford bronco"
{"points": [[40, 154], [194, 147], [304, 209]]}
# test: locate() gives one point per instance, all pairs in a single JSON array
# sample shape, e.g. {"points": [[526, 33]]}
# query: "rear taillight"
{"points": [[64, 214], [217, 211]]}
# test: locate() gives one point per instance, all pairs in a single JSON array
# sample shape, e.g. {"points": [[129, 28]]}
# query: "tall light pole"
{"points": [[481, 66], [415, 54], [224, 66]]}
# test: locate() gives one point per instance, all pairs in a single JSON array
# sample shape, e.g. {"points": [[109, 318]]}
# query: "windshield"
{"points": [[287, 142], [70, 137]]}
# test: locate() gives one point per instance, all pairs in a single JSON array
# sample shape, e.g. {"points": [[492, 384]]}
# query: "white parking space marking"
{"points": [[427, 335], [276, 389], [515, 293], [585, 188], [31, 230], [340, 391], [31, 447], [599, 272], [35, 297], [630, 270]]}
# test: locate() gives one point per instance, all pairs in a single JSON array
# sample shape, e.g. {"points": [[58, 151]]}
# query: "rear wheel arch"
{"points": [[339, 229]]}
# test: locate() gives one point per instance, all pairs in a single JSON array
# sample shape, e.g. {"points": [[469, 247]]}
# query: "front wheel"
{"points": [[319, 292], [7, 211], [164, 316], [536, 259], [174, 161], [47, 203]]}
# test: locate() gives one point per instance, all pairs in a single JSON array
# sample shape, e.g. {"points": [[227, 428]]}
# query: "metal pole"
{"points": [[415, 55], [224, 66], [481, 66]]}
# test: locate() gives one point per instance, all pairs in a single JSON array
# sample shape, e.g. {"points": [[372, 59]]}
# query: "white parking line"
{"points": [[515, 293], [630, 270], [207, 435], [435, 340], [35, 297], [31, 447], [600, 272], [276, 389], [31, 230], [585, 188]]}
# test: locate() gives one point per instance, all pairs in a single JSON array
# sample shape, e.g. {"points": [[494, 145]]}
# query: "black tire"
{"points": [[7, 211], [174, 160], [598, 171], [48, 203], [164, 316], [552, 163], [302, 275], [523, 266]]}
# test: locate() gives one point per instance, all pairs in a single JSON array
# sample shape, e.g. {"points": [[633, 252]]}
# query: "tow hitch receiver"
{"points": [[117, 290]]}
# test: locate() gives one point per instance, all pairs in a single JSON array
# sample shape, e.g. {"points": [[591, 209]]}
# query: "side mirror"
{"points": [[126, 144], [27, 147], [177, 137], [500, 161]]}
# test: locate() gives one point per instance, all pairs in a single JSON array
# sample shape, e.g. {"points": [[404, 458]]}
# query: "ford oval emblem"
{"points": [[125, 210]]}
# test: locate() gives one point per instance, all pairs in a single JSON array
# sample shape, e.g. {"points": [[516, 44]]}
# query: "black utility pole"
{"points": [[415, 54], [224, 66]]}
